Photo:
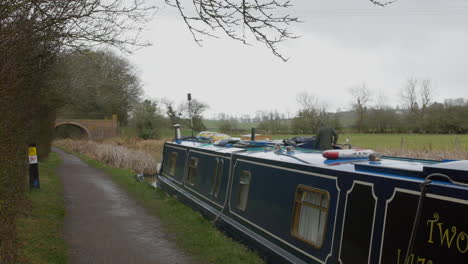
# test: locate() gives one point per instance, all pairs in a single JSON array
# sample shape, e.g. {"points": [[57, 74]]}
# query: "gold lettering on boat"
{"points": [[462, 237], [447, 235], [412, 259]]}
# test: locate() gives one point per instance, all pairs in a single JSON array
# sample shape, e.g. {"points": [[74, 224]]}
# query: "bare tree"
{"points": [[417, 99], [361, 96], [194, 112], [172, 113], [312, 112], [83, 24], [381, 100], [425, 95], [409, 95], [263, 19], [307, 100]]}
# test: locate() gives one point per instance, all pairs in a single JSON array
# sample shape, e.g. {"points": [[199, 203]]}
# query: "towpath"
{"points": [[104, 225]]}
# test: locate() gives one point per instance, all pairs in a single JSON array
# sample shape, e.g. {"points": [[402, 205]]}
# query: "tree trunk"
{"points": [[14, 126], [43, 129], [19, 77]]}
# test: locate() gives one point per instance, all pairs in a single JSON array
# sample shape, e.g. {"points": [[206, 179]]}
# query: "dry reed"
{"points": [[114, 155], [426, 154], [152, 147]]}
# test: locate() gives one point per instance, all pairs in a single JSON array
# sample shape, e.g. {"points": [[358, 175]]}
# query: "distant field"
{"points": [[402, 141], [389, 141], [382, 141]]}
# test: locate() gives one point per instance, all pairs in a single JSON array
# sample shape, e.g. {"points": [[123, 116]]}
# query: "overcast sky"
{"points": [[343, 44]]}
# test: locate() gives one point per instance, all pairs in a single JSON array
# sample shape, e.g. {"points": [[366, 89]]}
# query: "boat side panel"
{"points": [[206, 165], [271, 252], [359, 219], [271, 203], [180, 162], [442, 234]]}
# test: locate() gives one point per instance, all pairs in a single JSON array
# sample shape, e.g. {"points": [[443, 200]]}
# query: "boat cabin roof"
{"points": [[387, 166]]}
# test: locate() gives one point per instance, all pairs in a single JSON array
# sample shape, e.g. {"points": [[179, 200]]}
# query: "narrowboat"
{"points": [[293, 205]]}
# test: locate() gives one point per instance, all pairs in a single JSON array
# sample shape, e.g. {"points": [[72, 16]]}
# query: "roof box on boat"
{"points": [[248, 137], [456, 170]]}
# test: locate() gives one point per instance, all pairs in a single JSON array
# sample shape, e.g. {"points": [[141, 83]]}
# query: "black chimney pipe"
{"points": [[252, 135]]}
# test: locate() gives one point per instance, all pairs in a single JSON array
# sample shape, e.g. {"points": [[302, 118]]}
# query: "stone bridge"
{"points": [[95, 129]]}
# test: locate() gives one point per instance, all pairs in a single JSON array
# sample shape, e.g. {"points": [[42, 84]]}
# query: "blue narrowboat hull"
{"points": [[297, 207]]}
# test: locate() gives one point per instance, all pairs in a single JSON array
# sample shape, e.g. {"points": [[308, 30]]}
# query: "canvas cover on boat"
{"points": [[214, 136]]}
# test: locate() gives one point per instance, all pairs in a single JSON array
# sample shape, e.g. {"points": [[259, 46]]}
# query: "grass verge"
{"points": [[40, 230], [193, 233]]}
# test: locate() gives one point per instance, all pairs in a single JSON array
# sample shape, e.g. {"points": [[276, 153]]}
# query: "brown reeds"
{"points": [[427, 154], [153, 147], [114, 155]]}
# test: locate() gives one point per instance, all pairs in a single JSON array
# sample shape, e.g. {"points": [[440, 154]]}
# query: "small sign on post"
{"points": [[33, 168]]}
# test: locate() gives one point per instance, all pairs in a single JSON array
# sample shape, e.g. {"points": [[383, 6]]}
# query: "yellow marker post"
{"points": [[33, 168]]}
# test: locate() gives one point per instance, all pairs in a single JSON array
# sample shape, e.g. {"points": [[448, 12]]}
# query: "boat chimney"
{"points": [[252, 134], [177, 132]]}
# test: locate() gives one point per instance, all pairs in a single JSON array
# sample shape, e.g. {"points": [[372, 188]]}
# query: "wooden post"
{"points": [[115, 125], [33, 168], [189, 98]]}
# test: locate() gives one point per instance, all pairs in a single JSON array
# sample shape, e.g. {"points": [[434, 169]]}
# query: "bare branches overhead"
{"points": [[79, 23], [267, 21], [382, 3], [239, 20]]}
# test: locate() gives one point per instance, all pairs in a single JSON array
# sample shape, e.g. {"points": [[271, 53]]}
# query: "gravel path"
{"points": [[104, 225]]}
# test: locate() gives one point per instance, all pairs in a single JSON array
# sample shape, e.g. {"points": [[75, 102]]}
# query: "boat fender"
{"points": [[347, 153]]}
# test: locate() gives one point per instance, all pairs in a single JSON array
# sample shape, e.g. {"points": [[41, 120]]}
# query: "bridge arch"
{"points": [[76, 124], [96, 129]]}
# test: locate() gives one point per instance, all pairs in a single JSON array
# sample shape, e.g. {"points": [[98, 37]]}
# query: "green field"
{"points": [[402, 141]]}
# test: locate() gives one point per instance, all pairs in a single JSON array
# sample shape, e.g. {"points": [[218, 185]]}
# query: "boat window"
{"points": [[244, 185], [192, 172], [310, 215], [217, 173], [172, 163]]}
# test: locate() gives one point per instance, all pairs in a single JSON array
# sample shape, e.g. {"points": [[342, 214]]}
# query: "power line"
{"points": [[357, 12]]}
